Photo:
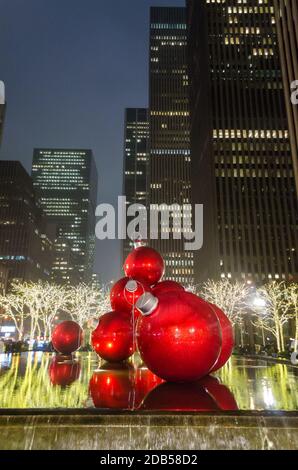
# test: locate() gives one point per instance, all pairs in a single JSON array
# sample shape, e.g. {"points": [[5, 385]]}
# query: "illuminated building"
{"points": [[136, 161], [3, 278], [63, 270], [66, 184], [287, 28], [241, 154], [25, 239], [2, 109], [169, 130]]}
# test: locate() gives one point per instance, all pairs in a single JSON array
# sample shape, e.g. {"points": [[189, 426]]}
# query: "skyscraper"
{"points": [[240, 140], [2, 108], [136, 161], [286, 12], [66, 185], [169, 130], [25, 238]]}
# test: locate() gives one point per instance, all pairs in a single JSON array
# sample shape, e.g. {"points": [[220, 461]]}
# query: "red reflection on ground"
{"points": [[64, 371], [112, 387], [223, 397], [145, 381], [179, 397]]}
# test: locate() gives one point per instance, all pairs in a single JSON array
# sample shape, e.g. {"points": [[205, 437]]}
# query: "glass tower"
{"points": [[136, 161], [169, 131], [66, 185], [241, 143], [26, 248]]}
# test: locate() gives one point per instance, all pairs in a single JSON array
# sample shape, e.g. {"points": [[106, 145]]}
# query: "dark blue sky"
{"points": [[70, 68]]}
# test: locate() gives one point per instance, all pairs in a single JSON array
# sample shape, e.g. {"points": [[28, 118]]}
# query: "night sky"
{"points": [[70, 68]]}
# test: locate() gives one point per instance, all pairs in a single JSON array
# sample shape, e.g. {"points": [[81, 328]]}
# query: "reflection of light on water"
{"points": [[5, 360], [268, 396]]}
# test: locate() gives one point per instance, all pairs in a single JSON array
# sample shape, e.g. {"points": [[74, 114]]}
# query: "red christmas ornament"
{"points": [[113, 338], [67, 337], [64, 372], [145, 265], [166, 286], [223, 397], [125, 293], [227, 338], [179, 397], [178, 335], [111, 387]]}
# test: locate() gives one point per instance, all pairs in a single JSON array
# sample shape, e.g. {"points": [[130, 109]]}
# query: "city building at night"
{"points": [[242, 166], [286, 12], [2, 109], [25, 237], [63, 269], [3, 278], [66, 185], [136, 162], [170, 131]]}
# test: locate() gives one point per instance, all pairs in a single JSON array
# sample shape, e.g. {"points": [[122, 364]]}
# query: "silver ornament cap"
{"points": [[147, 304], [131, 286]]}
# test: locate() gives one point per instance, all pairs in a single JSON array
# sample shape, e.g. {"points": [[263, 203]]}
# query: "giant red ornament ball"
{"points": [[67, 337], [145, 265], [125, 293], [167, 286], [178, 335], [227, 335], [112, 340]]}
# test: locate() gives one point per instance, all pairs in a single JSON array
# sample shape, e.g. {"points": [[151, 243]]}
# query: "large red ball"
{"points": [[64, 372], [166, 286], [181, 339], [122, 299], [112, 340], [227, 338], [112, 387], [67, 337], [144, 264]]}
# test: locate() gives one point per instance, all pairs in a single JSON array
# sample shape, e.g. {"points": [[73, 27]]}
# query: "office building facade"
{"points": [[170, 132], [26, 245], [2, 108], [286, 12], [240, 141], [136, 162], [65, 182]]}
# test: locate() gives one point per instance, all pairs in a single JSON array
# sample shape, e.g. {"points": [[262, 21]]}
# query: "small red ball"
{"points": [[167, 286], [144, 264], [112, 387], [63, 372], [67, 337], [112, 340], [179, 339], [227, 338], [123, 299]]}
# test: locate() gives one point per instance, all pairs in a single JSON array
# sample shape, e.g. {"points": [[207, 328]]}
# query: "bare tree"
{"points": [[292, 300], [276, 312], [229, 296], [16, 308]]}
